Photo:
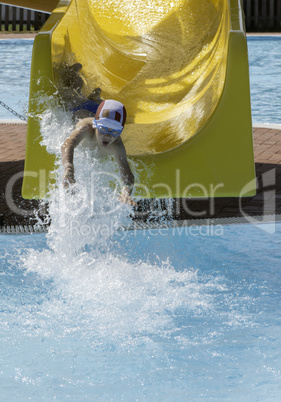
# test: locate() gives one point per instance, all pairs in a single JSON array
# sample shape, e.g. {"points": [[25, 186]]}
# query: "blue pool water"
{"points": [[265, 77], [15, 75], [169, 314]]}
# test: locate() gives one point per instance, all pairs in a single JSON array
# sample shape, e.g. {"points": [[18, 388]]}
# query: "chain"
{"points": [[12, 111]]}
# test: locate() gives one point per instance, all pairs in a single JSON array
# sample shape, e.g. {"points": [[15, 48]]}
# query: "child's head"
{"points": [[109, 121]]}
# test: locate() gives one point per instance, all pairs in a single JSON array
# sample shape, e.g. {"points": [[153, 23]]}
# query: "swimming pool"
{"points": [[92, 312], [169, 314], [265, 77]]}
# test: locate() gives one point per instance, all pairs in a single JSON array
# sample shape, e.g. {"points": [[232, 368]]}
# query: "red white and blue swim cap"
{"points": [[111, 114]]}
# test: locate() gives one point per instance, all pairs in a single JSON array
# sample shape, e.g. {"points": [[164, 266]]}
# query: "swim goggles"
{"points": [[105, 130]]}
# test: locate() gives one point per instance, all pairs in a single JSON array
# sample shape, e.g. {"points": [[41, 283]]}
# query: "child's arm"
{"points": [[125, 172], [67, 152]]}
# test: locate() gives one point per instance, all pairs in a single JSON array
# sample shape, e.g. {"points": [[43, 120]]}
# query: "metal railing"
{"points": [[262, 15], [20, 19]]}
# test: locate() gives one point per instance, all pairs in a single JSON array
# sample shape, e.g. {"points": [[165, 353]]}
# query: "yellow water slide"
{"points": [[181, 69]]}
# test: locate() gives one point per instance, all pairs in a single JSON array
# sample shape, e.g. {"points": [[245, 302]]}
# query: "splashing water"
{"points": [[89, 212], [87, 262]]}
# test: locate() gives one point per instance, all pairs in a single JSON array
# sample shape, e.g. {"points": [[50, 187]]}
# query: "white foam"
{"points": [[97, 284]]}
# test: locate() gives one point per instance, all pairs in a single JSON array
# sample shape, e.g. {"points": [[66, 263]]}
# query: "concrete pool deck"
{"points": [[267, 202]]}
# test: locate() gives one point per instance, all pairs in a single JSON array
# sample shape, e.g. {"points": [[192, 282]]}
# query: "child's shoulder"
{"points": [[87, 123]]}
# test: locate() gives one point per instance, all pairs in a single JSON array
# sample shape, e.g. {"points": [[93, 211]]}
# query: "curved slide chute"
{"points": [[180, 68]]}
